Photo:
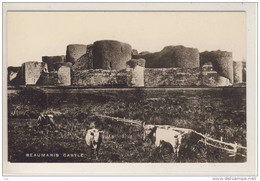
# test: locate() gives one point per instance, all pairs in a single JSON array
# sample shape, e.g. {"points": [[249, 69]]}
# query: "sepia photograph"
{"points": [[127, 87]]}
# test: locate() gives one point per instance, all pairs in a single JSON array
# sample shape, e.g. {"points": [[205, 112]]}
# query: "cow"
{"points": [[93, 140], [45, 120], [169, 136], [149, 131]]}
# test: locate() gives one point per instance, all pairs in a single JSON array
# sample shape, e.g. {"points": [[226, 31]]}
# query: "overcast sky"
{"points": [[31, 35]]}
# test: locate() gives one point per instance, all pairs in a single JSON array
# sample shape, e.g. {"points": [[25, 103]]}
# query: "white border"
{"points": [[144, 169]]}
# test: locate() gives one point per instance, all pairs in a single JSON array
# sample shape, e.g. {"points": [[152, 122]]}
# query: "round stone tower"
{"points": [[222, 62], [111, 55], [74, 52]]}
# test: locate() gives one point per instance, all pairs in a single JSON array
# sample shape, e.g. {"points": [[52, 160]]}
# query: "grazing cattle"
{"points": [[45, 120], [149, 131], [94, 139], [169, 136]]}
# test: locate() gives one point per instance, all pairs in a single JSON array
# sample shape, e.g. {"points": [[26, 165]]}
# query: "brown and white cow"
{"points": [[93, 140], [45, 120]]}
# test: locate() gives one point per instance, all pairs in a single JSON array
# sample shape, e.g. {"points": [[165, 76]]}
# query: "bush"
{"points": [[33, 96], [27, 103]]}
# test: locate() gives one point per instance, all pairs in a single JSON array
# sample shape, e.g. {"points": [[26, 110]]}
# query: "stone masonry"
{"points": [[244, 71], [64, 75], [15, 76], [85, 61], [113, 63], [238, 72], [138, 67], [158, 77], [99, 77], [74, 52], [213, 79], [32, 71], [171, 57], [52, 61], [222, 62], [111, 55]]}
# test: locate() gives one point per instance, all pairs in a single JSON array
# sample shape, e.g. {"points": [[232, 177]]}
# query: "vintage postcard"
{"points": [[129, 86]]}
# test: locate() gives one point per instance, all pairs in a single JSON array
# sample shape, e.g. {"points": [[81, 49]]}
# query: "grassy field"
{"points": [[219, 112]]}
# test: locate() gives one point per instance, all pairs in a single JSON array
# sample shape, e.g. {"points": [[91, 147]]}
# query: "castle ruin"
{"points": [[115, 64]]}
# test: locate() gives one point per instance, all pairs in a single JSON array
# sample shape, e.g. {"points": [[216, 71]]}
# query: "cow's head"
{"points": [[96, 135], [149, 130]]}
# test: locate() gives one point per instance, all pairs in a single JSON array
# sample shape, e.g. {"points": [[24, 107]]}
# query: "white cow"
{"points": [[169, 136], [93, 140]]}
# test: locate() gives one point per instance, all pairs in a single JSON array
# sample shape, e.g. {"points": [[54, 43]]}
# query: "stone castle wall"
{"points": [[114, 63], [136, 76], [100, 77], [56, 78], [171, 77], [48, 78], [140, 76]]}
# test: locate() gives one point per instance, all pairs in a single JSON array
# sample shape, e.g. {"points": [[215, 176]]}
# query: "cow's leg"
{"points": [[97, 154], [88, 152], [97, 151], [39, 124], [157, 142], [91, 152], [40, 127], [144, 136], [177, 151], [174, 151], [178, 146], [153, 138], [52, 123]]}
